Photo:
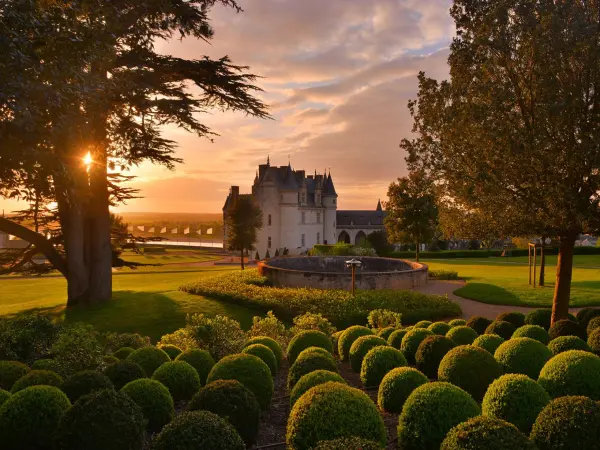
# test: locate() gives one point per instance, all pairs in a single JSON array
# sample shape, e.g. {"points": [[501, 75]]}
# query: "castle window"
{"points": [[269, 242], [318, 238], [318, 217], [303, 217], [303, 241], [269, 220]]}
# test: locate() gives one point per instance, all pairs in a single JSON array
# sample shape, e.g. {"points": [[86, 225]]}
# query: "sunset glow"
{"points": [[87, 159]]}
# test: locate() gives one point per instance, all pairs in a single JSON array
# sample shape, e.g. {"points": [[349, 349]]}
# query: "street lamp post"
{"points": [[353, 264]]}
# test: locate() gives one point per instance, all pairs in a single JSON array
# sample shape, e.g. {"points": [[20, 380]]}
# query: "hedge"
{"points": [[395, 339], [534, 332], [489, 342], [10, 372], [485, 253], [523, 355], [574, 372], [479, 324], [502, 328], [269, 342], [311, 380], [305, 339], [439, 328], [123, 352], [180, 378], [462, 335], [201, 360], [361, 347], [541, 317], [82, 383], [385, 333], [566, 343], [347, 338], [431, 352], [149, 358], [486, 433], [567, 328], [411, 341], [457, 322], [264, 353], [378, 362], [309, 360], [123, 372], [154, 399], [171, 350], [514, 317], [36, 378]]}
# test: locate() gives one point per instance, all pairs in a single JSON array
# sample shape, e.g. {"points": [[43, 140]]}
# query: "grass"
{"points": [[170, 257]]}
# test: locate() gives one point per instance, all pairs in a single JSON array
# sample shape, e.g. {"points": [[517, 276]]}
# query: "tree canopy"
{"points": [[242, 222]]}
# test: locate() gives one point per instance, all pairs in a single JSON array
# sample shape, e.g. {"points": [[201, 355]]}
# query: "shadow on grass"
{"points": [[586, 284], [489, 293]]}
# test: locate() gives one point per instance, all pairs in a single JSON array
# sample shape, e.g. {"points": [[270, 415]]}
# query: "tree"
{"points": [[83, 77], [515, 132], [461, 223], [379, 241], [412, 211], [243, 220]]}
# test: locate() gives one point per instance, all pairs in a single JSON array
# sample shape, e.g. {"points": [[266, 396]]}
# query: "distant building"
{"points": [[353, 227]]}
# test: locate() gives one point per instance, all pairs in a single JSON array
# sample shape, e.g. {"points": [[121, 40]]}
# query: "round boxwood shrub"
{"points": [[470, 368], [384, 333], [586, 314], [457, 322], [569, 422], [439, 328], [347, 338], [123, 372], [395, 339], [269, 342], [149, 359], [515, 398], [486, 433], [10, 372], [423, 324], [378, 362], [29, 418], [330, 411], [82, 383], [123, 352], [479, 324], [574, 372], [234, 402], [109, 359], [335, 337], [534, 332], [198, 429], [307, 362], [523, 355], [305, 339], [37, 378], [502, 328], [411, 341], [171, 350], [462, 335], [361, 347], [102, 420], [348, 443], [200, 360], [180, 378], [311, 380], [319, 350], [566, 343], [430, 412], [264, 353], [4, 395], [249, 370], [540, 317], [593, 324], [396, 387], [567, 328], [489, 342], [516, 318], [154, 399], [593, 341], [46, 364], [431, 352]]}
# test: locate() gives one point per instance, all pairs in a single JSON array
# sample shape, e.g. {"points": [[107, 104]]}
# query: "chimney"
{"points": [[235, 193]]}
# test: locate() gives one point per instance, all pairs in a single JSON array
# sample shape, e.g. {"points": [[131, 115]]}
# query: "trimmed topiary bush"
{"points": [[149, 359], [46, 364], [462, 335], [516, 318], [502, 328], [384, 333], [397, 386], [347, 338], [523, 355], [102, 420], [431, 352], [567, 328], [457, 322], [82, 383], [180, 378], [311, 380], [479, 324], [534, 332], [264, 353], [395, 339], [309, 361], [109, 359], [200, 360], [489, 342], [568, 423], [235, 403], [29, 418], [593, 341], [515, 398], [566, 343], [154, 399], [423, 324], [586, 314], [269, 342], [574, 372], [330, 411], [123, 352], [198, 429], [361, 347], [430, 412], [171, 350], [4, 395], [378, 362], [470, 368], [593, 324], [249, 370], [348, 443], [335, 337], [540, 317], [37, 378], [123, 372], [306, 339], [411, 341], [10, 372], [486, 433], [439, 328]]}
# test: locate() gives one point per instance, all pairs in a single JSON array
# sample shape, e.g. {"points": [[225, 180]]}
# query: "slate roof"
{"points": [[361, 219]]}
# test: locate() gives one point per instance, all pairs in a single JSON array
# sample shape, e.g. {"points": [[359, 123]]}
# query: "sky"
{"points": [[337, 76]]}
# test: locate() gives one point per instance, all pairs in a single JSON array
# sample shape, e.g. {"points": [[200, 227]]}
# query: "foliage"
{"points": [[306, 339], [180, 378], [348, 337], [116, 341], [516, 318], [378, 362], [594, 341], [439, 328], [541, 317], [82, 383], [10, 372], [149, 359], [198, 429], [181, 338], [502, 328], [234, 402], [395, 339], [199, 360], [45, 364], [462, 335], [311, 359], [123, 372], [411, 341], [523, 355], [479, 324], [270, 326], [515, 398], [382, 318], [586, 314], [443, 274], [264, 353], [430, 412], [566, 328], [385, 333], [379, 241], [485, 432], [470, 368], [573, 372], [330, 411], [348, 443], [361, 347], [311, 380], [123, 352], [36, 378], [468, 224], [4, 395], [171, 350], [431, 352], [423, 324], [457, 322], [311, 321], [489, 342], [534, 332], [27, 337], [269, 342], [396, 386], [29, 417], [77, 348], [243, 219], [249, 370], [154, 400], [220, 335], [566, 343]]}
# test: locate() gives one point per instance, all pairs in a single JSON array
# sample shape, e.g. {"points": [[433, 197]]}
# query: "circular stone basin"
{"points": [[330, 272]]}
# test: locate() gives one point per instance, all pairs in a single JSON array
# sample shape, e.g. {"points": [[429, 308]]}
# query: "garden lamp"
{"points": [[353, 264]]}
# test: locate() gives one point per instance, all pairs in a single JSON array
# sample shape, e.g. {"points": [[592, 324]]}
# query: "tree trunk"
{"points": [[564, 272], [242, 259], [417, 252], [542, 264]]}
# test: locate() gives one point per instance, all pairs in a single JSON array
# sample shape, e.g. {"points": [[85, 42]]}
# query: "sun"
{"points": [[87, 159]]}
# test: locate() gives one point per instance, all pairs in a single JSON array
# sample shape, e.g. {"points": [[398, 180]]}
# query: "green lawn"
{"points": [[504, 281]]}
